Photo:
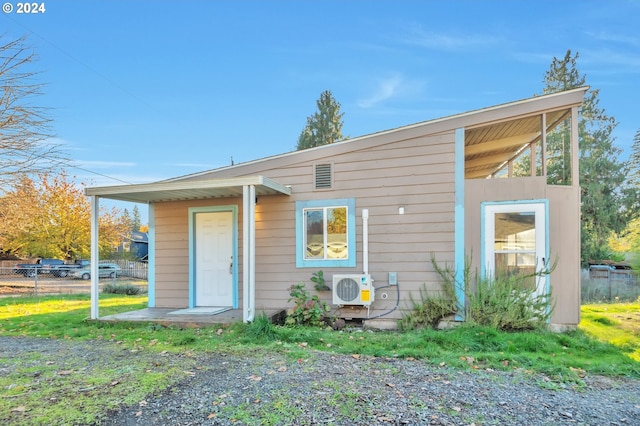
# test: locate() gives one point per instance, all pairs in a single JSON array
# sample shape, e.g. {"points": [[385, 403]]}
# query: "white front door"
{"points": [[515, 241], [214, 259]]}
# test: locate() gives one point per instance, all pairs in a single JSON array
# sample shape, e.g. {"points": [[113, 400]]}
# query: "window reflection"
{"points": [[326, 233], [314, 234], [337, 233], [515, 245]]}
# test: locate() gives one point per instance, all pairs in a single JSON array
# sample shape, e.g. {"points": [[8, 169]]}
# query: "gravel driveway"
{"points": [[324, 388]]}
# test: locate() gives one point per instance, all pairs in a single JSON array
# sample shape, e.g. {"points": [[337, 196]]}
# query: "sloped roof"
{"points": [[493, 136]]}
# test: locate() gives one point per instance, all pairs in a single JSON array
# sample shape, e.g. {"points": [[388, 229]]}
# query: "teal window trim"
{"points": [[350, 261], [192, 250]]}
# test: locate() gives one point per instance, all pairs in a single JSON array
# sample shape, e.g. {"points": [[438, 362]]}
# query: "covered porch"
{"points": [[247, 187]]}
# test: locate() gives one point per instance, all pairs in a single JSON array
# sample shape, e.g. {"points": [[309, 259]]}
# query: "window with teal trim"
{"points": [[325, 233]]}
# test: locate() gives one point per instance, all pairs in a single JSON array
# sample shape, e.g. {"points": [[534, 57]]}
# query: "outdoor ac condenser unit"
{"points": [[353, 290]]}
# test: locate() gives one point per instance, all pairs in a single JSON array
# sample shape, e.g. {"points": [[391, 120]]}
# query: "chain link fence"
{"points": [[36, 280]]}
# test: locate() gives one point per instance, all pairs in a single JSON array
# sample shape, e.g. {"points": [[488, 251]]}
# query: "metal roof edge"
{"points": [[183, 185]]}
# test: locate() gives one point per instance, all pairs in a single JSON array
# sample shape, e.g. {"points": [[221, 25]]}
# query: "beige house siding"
{"points": [[376, 176], [564, 232], [415, 167]]}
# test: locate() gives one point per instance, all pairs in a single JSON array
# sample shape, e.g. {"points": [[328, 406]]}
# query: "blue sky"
{"points": [[146, 90]]}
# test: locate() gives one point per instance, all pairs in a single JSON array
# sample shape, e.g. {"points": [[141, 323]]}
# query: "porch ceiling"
{"points": [[488, 147], [189, 190]]}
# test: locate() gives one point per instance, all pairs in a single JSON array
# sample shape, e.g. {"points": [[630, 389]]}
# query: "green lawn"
{"points": [[607, 343]]}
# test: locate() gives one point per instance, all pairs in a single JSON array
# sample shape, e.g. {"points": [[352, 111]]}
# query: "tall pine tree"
{"points": [[602, 175], [324, 126]]}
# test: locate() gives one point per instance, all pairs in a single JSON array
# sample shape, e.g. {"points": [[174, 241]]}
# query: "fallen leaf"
{"points": [[142, 403], [391, 385], [505, 362], [282, 369], [139, 413], [254, 378], [115, 382], [49, 363], [442, 364], [20, 409], [303, 344], [153, 342], [219, 331], [329, 345], [410, 358], [355, 356], [456, 408], [211, 416], [189, 373], [65, 372]]}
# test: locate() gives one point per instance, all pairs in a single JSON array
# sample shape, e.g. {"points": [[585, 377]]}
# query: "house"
{"points": [[377, 206]]}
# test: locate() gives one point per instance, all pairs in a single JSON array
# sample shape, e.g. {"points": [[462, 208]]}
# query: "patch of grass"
{"points": [[607, 343], [615, 323]]}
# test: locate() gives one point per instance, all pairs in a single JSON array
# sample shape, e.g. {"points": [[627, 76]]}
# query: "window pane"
{"points": [[515, 231], [337, 233], [510, 264], [314, 234]]}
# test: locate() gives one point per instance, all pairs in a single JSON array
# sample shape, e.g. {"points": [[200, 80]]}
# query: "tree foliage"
{"points": [[602, 174], [51, 217], [324, 126], [132, 221], [25, 139]]}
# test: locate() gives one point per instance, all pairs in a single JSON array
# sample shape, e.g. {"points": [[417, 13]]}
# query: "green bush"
{"points": [[429, 310], [307, 309], [504, 302], [128, 289]]}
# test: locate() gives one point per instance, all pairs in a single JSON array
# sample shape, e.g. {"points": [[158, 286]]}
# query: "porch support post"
{"points": [[151, 258], [95, 213], [459, 218], [575, 149], [248, 252]]}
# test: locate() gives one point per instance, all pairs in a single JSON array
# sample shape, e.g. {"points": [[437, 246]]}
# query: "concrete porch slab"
{"points": [[164, 316]]}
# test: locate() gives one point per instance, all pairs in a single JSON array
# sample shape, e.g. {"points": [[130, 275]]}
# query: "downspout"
{"points": [[248, 252]]}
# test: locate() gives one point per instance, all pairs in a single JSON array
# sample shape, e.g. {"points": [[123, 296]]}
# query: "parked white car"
{"points": [[105, 270]]}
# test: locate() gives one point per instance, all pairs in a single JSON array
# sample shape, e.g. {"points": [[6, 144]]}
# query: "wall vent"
{"points": [[323, 176]]}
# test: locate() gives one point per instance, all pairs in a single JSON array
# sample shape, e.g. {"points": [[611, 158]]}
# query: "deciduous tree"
{"points": [[25, 135], [51, 217], [324, 126]]}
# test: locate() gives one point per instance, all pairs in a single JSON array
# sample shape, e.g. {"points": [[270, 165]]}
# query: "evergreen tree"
{"points": [[136, 222], [323, 127], [602, 175]]}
